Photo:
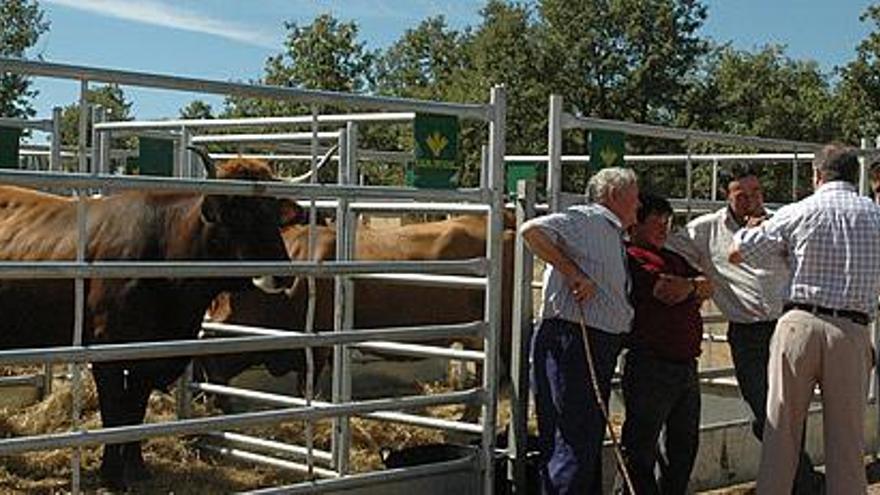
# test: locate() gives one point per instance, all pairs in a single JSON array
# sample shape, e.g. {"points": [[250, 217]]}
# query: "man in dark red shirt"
{"points": [[660, 384]]}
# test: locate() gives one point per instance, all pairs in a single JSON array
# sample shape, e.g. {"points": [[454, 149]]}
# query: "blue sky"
{"points": [[231, 39]]}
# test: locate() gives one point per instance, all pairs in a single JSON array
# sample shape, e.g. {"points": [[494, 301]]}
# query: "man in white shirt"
{"points": [[749, 297]]}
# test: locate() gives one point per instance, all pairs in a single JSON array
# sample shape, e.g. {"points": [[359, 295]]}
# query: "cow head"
{"points": [[245, 227]]}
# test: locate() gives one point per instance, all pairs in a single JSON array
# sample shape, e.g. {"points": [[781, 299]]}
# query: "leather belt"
{"points": [[854, 316]]}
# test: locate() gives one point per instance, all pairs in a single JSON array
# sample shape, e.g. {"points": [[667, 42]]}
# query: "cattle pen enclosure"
{"points": [[304, 443], [486, 201]]}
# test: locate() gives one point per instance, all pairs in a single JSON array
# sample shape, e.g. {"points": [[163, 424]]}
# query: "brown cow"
{"points": [[377, 303], [150, 226]]}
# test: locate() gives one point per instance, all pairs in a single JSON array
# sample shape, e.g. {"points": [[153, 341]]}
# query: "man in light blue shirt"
{"points": [[586, 281]]}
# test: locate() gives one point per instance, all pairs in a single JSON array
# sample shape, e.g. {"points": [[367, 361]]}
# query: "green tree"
{"points": [[21, 25], [424, 63], [763, 93], [111, 98], [623, 59], [325, 55], [197, 109], [858, 93]]}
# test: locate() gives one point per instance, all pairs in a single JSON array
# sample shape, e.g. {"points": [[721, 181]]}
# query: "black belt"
{"points": [[854, 316]]}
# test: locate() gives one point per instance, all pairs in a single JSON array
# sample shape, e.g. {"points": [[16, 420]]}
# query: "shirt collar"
{"points": [[614, 219], [837, 185]]}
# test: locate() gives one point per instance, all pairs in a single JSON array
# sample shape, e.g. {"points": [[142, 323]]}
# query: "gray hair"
{"points": [[608, 181], [837, 162]]}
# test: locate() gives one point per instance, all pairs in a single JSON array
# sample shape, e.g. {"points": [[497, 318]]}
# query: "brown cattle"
{"points": [[377, 303], [139, 226]]}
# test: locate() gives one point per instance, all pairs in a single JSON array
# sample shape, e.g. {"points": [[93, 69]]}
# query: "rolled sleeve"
{"points": [[760, 245]]}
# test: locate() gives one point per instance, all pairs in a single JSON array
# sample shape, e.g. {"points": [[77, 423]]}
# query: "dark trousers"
{"points": [[571, 428], [750, 350], [660, 394]]}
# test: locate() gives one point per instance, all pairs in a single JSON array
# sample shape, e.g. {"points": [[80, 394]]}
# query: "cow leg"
{"points": [[109, 381], [134, 467], [123, 402]]}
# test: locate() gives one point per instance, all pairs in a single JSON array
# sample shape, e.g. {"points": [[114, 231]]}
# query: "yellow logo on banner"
{"points": [[609, 156], [436, 142]]}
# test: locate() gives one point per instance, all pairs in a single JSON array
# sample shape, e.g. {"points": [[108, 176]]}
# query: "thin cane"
{"points": [[618, 456]]}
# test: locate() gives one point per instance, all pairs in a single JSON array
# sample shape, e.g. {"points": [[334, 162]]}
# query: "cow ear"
{"points": [[290, 213], [212, 209]]}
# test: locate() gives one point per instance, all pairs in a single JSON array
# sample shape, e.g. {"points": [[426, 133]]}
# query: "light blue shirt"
{"points": [[832, 240], [592, 236]]}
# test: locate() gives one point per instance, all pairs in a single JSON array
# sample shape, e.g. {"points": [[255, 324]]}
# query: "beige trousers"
{"points": [[807, 349]]}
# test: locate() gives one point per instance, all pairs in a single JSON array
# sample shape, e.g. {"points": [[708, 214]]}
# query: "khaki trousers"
{"points": [[807, 349]]}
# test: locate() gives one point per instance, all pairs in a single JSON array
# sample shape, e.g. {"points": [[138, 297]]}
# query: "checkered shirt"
{"points": [[592, 236], [832, 240]]}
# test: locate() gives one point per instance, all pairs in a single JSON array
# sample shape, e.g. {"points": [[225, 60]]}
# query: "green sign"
{"points": [[431, 178], [9, 144], [155, 156], [436, 138], [436, 150], [606, 149], [517, 171]]}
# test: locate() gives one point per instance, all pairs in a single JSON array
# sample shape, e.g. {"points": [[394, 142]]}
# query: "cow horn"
{"points": [[207, 161], [324, 160]]}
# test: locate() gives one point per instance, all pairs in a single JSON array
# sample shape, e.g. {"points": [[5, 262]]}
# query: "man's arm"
{"points": [[545, 248], [673, 289]]}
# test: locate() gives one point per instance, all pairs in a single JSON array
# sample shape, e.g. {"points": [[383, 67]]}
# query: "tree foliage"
{"points": [[111, 98], [21, 25], [858, 95]]}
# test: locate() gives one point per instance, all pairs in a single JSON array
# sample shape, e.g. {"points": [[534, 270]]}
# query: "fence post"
{"points": [[517, 435]]}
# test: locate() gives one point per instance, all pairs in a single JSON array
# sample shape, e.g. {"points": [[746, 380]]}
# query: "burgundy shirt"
{"points": [[672, 332]]}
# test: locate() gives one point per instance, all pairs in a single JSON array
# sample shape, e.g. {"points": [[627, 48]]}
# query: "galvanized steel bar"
{"points": [[342, 305], [237, 187], [55, 144], [477, 283], [694, 136], [494, 250], [375, 478], [83, 129], [251, 441], [22, 381], [213, 269], [122, 434], [554, 152], [388, 416], [272, 461], [67, 71], [196, 347], [520, 337], [44, 125], [397, 348], [380, 117], [264, 138]]}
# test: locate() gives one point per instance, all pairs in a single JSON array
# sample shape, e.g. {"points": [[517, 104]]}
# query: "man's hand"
{"points": [[754, 221], [703, 287], [672, 289], [581, 287]]}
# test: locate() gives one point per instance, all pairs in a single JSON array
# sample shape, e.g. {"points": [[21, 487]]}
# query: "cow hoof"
{"points": [[113, 482], [137, 473]]}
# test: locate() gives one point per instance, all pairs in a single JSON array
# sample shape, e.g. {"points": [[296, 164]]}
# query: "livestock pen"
{"points": [[487, 195]]}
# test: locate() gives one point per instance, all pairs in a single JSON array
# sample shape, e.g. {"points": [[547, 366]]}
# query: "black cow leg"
{"points": [[123, 402], [134, 467], [109, 381]]}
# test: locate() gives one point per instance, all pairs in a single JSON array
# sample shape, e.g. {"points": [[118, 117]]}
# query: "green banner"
{"points": [[436, 138], [9, 145], [606, 149], [517, 171], [431, 178], [155, 156]]}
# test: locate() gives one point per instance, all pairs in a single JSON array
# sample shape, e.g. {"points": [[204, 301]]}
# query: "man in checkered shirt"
{"points": [[832, 239]]}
